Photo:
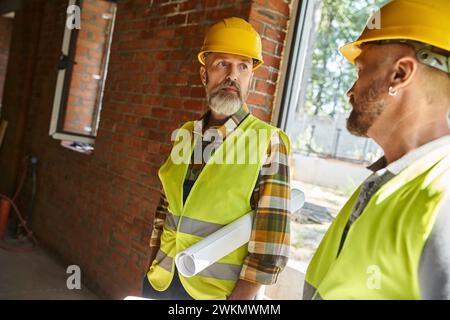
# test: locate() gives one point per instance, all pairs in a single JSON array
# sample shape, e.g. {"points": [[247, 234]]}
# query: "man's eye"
{"points": [[244, 66], [222, 64]]}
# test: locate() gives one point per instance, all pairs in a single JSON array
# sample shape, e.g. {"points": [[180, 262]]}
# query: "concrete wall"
{"points": [[330, 137], [328, 172]]}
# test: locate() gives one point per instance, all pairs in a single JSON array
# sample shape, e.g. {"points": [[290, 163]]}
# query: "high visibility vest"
{"points": [[220, 195], [380, 257]]}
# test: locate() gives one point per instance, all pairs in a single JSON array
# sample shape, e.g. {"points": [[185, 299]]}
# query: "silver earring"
{"points": [[392, 92]]}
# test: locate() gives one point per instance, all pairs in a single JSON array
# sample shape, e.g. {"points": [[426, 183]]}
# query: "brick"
{"points": [[197, 105], [190, 5], [272, 61], [269, 47], [179, 55], [178, 19], [161, 113], [256, 99], [167, 126], [151, 100], [264, 87], [276, 35], [261, 114], [210, 3], [142, 110], [169, 9], [222, 13], [183, 116], [181, 79], [173, 103], [262, 72], [156, 135], [280, 6], [267, 16], [197, 92], [130, 119]]}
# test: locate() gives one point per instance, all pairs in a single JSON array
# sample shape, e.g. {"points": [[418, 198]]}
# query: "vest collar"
{"points": [[399, 165]]}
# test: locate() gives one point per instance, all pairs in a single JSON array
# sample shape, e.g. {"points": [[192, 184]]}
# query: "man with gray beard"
{"points": [[203, 194]]}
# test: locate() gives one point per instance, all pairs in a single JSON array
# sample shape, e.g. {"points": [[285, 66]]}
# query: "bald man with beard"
{"points": [[391, 240]]}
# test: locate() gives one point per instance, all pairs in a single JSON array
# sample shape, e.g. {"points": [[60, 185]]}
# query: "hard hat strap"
{"points": [[434, 59]]}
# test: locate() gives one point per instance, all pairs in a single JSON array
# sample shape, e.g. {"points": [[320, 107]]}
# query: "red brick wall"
{"points": [[92, 37], [270, 19], [5, 37], [97, 211]]}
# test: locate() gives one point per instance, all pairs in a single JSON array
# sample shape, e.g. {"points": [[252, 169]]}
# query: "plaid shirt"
{"points": [[268, 248]]}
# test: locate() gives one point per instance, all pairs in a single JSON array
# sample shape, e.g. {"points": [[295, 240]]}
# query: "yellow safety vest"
{"points": [[380, 257], [220, 195]]}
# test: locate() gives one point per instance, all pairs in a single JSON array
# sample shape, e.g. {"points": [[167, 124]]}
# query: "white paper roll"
{"points": [[214, 247], [217, 245]]}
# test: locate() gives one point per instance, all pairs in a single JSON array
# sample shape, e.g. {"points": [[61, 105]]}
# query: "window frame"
{"points": [[298, 40], [65, 68]]}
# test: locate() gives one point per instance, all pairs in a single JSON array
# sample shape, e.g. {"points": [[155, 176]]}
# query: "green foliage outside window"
{"points": [[331, 74]]}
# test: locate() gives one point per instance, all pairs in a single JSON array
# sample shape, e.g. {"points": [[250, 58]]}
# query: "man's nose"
{"points": [[350, 91], [233, 74]]}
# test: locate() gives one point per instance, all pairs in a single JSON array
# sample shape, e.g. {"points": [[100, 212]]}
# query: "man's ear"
{"points": [[203, 75], [403, 72]]}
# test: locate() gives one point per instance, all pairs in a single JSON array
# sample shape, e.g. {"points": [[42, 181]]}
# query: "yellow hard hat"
{"points": [[234, 36], [425, 21]]}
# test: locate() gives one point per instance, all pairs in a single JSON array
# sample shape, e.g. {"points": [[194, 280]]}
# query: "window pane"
{"points": [[328, 162], [89, 70]]}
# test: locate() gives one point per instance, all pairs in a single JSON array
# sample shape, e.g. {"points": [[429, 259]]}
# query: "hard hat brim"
{"points": [[352, 50], [201, 57]]}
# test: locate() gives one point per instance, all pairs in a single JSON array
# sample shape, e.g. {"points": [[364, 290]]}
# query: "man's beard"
{"points": [[223, 102], [366, 111]]}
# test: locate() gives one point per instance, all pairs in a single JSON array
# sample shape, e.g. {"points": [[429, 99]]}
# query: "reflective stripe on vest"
{"points": [[381, 254], [171, 221], [223, 271], [164, 260], [192, 226], [197, 227]]}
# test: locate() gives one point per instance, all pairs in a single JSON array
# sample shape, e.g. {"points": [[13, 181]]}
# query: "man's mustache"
{"points": [[227, 84]]}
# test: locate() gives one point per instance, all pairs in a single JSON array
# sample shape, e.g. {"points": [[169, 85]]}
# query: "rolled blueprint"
{"points": [[217, 245]]}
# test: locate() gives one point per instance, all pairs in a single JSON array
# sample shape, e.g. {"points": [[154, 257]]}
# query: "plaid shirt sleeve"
{"points": [[269, 245], [158, 221]]}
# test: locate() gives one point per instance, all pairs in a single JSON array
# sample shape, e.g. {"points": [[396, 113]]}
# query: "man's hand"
{"points": [[244, 290]]}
